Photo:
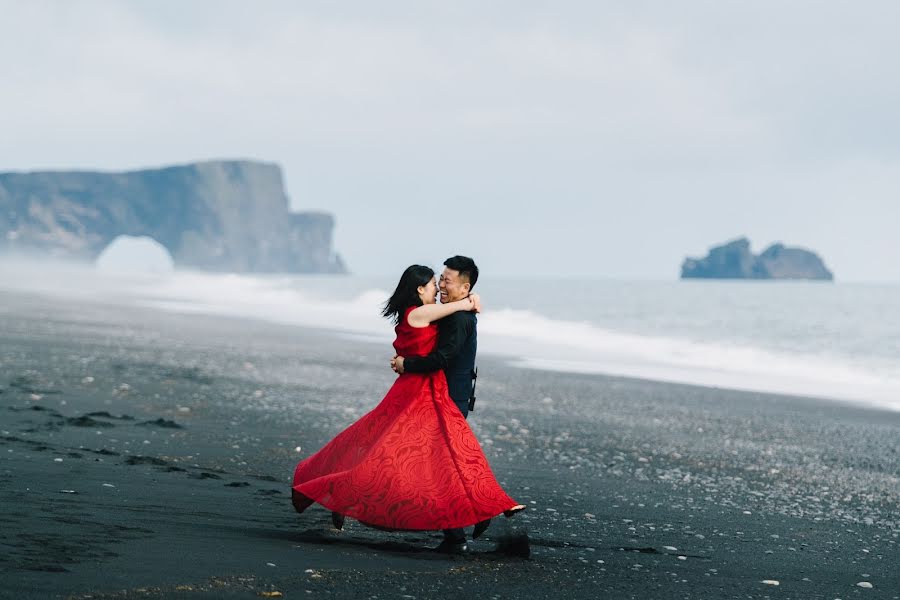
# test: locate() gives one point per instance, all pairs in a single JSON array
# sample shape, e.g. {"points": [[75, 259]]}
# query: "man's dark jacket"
{"points": [[455, 355]]}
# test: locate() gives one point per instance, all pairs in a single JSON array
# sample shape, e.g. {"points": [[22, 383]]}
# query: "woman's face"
{"points": [[428, 292]]}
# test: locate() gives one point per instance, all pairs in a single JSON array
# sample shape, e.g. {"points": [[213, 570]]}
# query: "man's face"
{"points": [[452, 286]]}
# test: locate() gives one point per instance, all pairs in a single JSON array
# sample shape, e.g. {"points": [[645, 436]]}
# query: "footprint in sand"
{"points": [[204, 475], [163, 423], [145, 460], [86, 421]]}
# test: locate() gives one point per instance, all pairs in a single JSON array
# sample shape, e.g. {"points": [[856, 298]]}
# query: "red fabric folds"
{"points": [[412, 463]]}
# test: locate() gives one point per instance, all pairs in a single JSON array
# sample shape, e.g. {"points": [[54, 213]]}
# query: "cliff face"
{"points": [[734, 260], [220, 216]]}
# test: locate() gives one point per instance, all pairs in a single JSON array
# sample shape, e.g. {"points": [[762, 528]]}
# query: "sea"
{"points": [[834, 341]]}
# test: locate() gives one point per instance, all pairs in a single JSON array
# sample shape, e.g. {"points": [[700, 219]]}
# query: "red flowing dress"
{"points": [[412, 463]]}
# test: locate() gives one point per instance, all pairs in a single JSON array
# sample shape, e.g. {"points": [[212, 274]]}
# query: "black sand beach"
{"points": [[149, 455]]}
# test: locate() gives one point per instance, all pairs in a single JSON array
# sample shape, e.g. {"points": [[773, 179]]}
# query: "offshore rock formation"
{"points": [[734, 260], [218, 216]]}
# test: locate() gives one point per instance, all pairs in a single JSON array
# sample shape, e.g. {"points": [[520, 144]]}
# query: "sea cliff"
{"points": [[218, 215]]}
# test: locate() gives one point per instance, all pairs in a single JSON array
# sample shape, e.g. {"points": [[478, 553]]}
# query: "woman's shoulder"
{"points": [[404, 319]]}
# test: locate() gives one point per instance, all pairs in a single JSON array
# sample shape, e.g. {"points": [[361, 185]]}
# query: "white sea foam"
{"points": [[274, 299], [535, 341], [529, 338], [581, 347]]}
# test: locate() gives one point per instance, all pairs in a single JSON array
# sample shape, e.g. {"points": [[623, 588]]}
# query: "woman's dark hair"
{"points": [[407, 292]]}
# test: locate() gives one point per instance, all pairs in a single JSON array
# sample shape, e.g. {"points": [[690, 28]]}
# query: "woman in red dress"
{"points": [[412, 463]]}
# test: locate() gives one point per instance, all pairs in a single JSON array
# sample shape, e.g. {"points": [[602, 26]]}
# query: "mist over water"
{"points": [[838, 341]]}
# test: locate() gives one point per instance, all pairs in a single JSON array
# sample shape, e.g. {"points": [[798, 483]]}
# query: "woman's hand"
{"points": [[475, 301]]}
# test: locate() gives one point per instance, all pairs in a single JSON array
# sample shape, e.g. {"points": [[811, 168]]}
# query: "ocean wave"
{"points": [[275, 299], [581, 347], [527, 338], [532, 340]]}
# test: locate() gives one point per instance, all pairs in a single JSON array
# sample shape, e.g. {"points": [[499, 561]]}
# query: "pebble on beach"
{"points": [[771, 582], [865, 584]]}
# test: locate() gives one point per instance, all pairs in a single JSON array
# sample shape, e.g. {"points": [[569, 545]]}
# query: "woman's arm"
{"points": [[423, 315]]}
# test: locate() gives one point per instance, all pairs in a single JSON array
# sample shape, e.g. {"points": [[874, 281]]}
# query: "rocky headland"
{"points": [[218, 216], [734, 260]]}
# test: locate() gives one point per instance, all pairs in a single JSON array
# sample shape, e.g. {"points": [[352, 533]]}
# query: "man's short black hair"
{"points": [[466, 267]]}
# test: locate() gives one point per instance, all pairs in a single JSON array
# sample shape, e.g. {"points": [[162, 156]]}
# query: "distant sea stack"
{"points": [[734, 260], [218, 216]]}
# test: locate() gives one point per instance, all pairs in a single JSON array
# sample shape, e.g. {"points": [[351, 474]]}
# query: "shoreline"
{"points": [[524, 338], [176, 437], [542, 364], [561, 367]]}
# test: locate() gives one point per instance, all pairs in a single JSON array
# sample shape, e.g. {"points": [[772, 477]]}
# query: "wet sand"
{"points": [[149, 455]]}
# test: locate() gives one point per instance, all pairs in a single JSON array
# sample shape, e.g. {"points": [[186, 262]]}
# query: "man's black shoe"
{"points": [[480, 528], [450, 547], [337, 519]]}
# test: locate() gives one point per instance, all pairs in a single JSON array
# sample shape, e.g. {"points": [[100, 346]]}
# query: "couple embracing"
{"points": [[413, 463]]}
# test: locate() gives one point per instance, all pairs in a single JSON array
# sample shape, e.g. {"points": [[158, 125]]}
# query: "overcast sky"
{"points": [[576, 139]]}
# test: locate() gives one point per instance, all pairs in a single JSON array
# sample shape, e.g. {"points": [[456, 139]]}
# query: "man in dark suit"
{"points": [[455, 352]]}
